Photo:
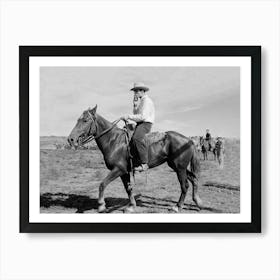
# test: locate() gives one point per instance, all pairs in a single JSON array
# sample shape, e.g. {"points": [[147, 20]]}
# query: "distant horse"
{"points": [[205, 147], [177, 150], [213, 146]]}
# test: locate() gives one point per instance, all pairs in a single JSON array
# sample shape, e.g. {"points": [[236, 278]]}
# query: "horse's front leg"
{"points": [[126, 182], [114, 174]]}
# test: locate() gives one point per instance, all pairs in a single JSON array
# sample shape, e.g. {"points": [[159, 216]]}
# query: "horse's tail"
{"points": [[195, 162]]}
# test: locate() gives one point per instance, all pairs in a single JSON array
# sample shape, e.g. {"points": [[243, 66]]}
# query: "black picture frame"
{"points": [[254, 52]]}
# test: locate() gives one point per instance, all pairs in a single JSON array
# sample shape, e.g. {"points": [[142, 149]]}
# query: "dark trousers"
{"points": [[139, 142]]}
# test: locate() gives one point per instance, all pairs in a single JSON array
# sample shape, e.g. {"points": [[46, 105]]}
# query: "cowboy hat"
{"points": [[139, 86]]}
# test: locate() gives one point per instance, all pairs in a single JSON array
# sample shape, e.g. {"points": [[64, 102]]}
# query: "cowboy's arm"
{"points": [[144, 113], [136, 117]]}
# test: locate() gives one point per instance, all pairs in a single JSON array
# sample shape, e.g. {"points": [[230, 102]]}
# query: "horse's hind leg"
{"points": [[182, 177], [195, 195], [126, 182]]}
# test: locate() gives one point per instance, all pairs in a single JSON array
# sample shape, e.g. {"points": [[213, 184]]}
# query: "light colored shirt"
{"points": [[145, 112], [136, 103]]}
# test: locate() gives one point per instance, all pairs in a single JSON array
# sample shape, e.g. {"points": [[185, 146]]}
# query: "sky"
{"points": [[187, 99]]}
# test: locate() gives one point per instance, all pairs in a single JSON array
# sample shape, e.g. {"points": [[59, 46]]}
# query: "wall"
{"points": [[138, 256]]}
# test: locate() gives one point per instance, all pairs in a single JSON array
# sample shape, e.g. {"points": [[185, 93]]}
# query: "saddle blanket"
{"points": [[150, 138], [154, 137]]}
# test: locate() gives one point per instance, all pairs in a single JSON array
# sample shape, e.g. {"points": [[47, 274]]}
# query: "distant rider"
{"points": [[208, 138]]}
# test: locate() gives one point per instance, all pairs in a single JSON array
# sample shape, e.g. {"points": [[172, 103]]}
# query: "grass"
{"points": [[69, 183]]}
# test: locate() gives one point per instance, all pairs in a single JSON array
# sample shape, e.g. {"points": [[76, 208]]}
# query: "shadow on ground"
{"points": [[84, 203], [80, 202]]}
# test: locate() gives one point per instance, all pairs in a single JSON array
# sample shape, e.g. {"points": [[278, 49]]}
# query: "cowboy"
{"points": [[144, 116], [208, 135], [208, 138], [219, 143]]}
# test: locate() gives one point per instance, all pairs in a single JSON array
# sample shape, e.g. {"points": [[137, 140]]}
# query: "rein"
{"points": [[91, 137]]}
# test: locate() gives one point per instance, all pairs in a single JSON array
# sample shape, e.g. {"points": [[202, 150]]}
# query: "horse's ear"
{"points": [[94, 109]]}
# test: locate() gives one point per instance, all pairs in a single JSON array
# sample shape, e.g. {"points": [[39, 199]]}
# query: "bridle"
{"points": [[91, 137]]}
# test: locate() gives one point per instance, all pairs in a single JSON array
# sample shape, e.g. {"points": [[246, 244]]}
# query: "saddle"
{"points": [[151, 138]]}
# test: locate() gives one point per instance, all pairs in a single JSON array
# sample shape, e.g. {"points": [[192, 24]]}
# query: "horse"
{"points": [[213, 146], [205, 147], [177, 150]]}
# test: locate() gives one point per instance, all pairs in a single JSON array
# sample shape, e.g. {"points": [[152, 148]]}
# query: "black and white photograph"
{"points": [[140, 138]]}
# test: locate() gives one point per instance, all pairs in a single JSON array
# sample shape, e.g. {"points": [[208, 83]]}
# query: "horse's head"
{"points": [[84, 128]]}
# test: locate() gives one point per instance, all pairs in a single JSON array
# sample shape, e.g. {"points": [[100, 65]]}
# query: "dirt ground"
{"points": [[69, 183]]}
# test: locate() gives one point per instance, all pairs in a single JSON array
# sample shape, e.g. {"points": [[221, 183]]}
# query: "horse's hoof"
{"points": [[175, 209], [129, 209], [102, 208], [198, 203]]}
